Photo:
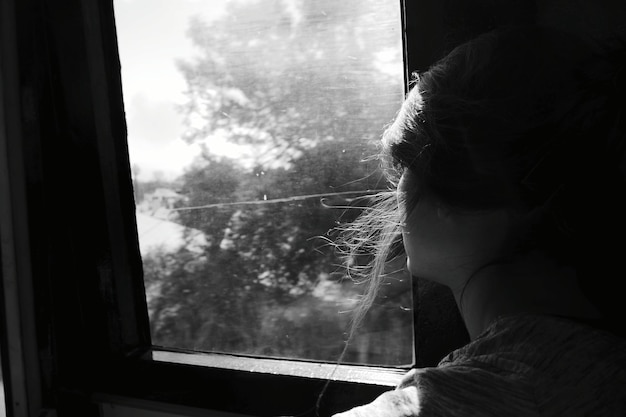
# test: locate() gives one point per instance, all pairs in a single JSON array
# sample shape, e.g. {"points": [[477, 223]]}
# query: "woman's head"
{"points": [[445, 244], [524, 125], [502, 121]]}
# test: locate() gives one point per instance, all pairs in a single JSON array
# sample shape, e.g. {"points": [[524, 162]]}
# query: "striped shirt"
{"points": [[524, 365]]}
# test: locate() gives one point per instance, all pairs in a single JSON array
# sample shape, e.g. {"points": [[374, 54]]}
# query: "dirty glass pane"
{"points": [[249, 127]]}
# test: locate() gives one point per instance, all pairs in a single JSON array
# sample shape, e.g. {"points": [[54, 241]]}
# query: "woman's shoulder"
{"points": [[562, 366], [541, 340], [525, 365]]}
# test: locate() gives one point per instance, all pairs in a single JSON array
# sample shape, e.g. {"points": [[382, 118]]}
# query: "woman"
{"points": [[508, 157]]}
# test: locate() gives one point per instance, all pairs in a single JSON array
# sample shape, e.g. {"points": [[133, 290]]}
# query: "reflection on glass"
{"points": [[250, 123]]}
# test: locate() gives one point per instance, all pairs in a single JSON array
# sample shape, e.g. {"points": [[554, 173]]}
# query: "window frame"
{"points": [[75, 328]]}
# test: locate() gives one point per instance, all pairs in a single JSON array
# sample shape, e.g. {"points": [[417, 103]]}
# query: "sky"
{"points": [[151, 37]]}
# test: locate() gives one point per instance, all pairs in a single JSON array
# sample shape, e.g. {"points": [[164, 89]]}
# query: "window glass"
{"points": [[250, 124]]}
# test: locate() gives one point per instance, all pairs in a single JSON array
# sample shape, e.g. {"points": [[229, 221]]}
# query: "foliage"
{"points": [[286, 78], [306, 116]]}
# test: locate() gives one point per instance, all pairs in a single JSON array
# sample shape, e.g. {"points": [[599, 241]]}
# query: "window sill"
{"points": [[362, 374], [241, 385]]}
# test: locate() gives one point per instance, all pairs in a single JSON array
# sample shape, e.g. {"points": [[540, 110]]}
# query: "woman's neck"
{"points": [[532, 283]]}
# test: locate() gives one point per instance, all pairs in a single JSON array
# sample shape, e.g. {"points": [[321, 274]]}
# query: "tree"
{"points": [[287, 78], [302, 87]]}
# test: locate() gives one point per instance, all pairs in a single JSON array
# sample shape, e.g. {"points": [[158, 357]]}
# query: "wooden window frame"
{"points": [[75, 330]]}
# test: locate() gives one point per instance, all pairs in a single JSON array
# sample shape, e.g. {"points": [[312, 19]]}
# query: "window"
{"points": [[76, 337], [250, 124]]}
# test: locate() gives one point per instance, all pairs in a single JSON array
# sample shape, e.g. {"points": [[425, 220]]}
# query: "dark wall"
{"points": [[440, 25]]}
